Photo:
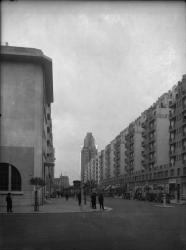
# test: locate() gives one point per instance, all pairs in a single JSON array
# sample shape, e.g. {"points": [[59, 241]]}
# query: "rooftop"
{"points": [[30, 55]]}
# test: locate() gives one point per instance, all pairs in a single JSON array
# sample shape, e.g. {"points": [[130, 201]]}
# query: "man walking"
{"points": [[79, 198], [101, 200]]}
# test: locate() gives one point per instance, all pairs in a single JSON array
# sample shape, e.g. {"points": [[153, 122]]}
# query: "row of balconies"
{"points": [[154, 175]]}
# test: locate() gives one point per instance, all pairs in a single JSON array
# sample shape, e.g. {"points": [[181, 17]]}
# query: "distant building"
{"points": [[65, 181], [101, 165], [87, 153], [92, 170], [26, 146], [61, 183]]}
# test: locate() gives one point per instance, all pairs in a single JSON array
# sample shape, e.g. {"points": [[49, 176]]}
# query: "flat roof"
{"points": [[23, 54]]}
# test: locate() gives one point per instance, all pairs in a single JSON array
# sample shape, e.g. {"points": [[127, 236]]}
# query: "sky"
{"points": [[111, 61]]}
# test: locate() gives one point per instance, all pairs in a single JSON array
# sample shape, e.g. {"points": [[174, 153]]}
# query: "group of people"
{"points": [[93, 197], [100, 200], [93, 200]]}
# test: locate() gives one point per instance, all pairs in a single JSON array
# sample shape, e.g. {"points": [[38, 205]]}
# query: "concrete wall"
{"points": [[22, 108], [23, 159], [22, 122]]}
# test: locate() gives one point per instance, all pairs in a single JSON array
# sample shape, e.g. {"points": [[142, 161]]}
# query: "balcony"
{"points": [[152, 128], [184, 105], [152, 160], [172, 152], [184, 133], [172, 114], [184, 118], [117, 158], [172, 104], [172, 127], [143, 134], [184, 148], [143, 163], [131, 149], [143, 153], [172, 140], [126, 161], [152, 149], [151, 117], [143, 144], [143, 125], [151, 139]]}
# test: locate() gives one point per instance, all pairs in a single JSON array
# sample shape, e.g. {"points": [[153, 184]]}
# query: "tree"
{"points": [[38, 183]]}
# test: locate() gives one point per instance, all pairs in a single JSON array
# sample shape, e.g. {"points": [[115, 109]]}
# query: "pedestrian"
{"points": [[94, 200], [66, 196], [85, 198], [79, 198], [9, 203], [101, 201]]}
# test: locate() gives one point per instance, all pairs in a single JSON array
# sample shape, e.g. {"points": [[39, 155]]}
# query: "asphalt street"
{"points": [[131, 225]]}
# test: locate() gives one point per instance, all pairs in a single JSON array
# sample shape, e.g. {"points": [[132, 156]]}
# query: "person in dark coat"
{"points": [[66, 196], [79, 198], [101, 201], [9, 202], [94, 200]]}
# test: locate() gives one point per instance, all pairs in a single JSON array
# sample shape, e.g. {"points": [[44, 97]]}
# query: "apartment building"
{"points": [[26, 146], [133, 145], [122, 152], [101, 166], [156, 133], [107, 165], [117, 157], [177, 143]]}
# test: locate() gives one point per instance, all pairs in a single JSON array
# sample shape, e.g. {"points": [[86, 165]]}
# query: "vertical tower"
{"points": [[87, 153]]}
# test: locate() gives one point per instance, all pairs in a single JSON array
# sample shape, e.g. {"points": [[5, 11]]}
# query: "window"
{"points": [[10, 178], [178, 171], [172, 172]]}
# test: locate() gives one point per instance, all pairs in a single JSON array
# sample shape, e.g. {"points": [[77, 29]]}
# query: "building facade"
{"points": [[87, 153], [61, 183], [26, 146], [177, 142], [133, 146], [156, 133], [150, 154]]}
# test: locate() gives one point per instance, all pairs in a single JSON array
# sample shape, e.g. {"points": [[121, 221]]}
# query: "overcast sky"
{"points": [[111, 61]]}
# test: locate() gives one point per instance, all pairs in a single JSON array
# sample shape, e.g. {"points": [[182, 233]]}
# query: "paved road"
{"points": [[131, 225]]}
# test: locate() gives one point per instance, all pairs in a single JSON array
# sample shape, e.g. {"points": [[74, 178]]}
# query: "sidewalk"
{"points": [[57, 205]]}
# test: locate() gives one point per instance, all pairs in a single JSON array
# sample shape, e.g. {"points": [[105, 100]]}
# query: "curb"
{"points": [[107, 209]]}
